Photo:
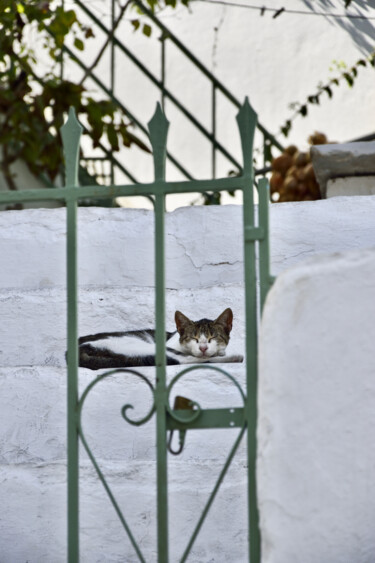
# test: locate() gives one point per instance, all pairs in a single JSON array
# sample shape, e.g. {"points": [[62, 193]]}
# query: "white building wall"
{"points": [[204, 275], [273, 61]]}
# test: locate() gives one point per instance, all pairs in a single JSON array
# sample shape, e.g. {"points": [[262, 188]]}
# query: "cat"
{"points": [[193, 342]]}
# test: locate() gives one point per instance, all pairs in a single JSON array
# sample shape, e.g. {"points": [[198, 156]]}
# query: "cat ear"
{"points": [[226, 320], [181, 321]]}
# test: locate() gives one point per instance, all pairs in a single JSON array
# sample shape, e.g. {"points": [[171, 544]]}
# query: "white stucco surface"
{"points": [[304, 347], [210, 255], [33, 470], [273, 61], [316, 412], [352, 185]]}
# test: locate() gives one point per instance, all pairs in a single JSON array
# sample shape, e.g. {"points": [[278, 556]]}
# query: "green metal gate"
{"points": [[167, 418]]}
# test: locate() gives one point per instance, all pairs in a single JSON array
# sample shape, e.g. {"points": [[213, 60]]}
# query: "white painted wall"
{"points": [[316, 412], [204, 275], [273, 61]]}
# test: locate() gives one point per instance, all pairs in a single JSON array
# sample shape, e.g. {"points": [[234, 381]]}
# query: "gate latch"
{"points": [[180, 403]]}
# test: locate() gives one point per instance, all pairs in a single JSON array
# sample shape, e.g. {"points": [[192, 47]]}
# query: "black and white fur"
{"points": [[193, 342]]}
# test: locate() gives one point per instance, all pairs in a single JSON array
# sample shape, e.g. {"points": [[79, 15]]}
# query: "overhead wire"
{"points": [[282, 10]]}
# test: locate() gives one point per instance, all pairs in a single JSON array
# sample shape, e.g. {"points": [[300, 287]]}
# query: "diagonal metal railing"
{"points": [[168, 419], [217, 147]]}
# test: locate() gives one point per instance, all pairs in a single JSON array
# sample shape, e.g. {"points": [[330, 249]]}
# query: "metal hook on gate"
{"points": [[181, 442], [180, 403]]}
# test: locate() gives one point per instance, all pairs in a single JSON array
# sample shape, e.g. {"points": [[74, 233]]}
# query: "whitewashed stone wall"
{"points": [[204, 275], [316, 412]]}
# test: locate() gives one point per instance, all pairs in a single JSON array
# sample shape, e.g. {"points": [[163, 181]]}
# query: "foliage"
{"points": [[33, 94], [346, 75], [154, 6], [293, 177]]}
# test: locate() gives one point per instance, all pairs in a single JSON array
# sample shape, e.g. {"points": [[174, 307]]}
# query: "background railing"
{"points": [[114, 47]]}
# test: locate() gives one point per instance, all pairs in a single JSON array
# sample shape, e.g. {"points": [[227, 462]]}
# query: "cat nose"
{"points": [[203, 347]]}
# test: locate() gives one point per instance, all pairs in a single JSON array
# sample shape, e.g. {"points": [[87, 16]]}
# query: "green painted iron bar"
{"points": [[112, 87], [159, 84], [96, 191], [265, 278], [213, 120], [202, 68], [109, 492], [70, 133], [72, 393], [61, 57], [162, 70], [160, 388], [251, 315], [208, 418], [253, 233], [158, 130], [213, 495]]}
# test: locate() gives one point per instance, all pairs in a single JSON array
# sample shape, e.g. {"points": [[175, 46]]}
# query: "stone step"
{"points": [[33, 407], [203, 244], [35, 528], [35, 320]]}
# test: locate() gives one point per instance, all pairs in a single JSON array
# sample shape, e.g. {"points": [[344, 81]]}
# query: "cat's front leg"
{"points": [[193, 360], [234, 358]]}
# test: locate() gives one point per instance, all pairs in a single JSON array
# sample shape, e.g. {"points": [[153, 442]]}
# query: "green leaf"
{"points": [[286, 128], [78, 44], [303, 110], [147, 30], [212, 198], [67, 18], [88, 32], [112, 136], [152, 4], [135, 23], [129, 138], [328, 90], [313, 99], [349, 79]]}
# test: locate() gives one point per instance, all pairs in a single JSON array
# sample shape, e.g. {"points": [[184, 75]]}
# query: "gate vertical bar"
{"points": [[162, 67], [112, 86], [213, 118], [246, 119], [265, 279], [158, 128], [70, 134]]}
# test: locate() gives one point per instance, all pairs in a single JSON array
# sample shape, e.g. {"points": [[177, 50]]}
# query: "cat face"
{"points": [[204, 338]]}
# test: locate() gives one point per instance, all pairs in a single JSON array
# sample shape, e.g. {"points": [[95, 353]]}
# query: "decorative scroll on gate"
{"points": [[185, 415]]}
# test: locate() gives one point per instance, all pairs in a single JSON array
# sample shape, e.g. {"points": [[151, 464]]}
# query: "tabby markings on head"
{"points": [[193, 342]]}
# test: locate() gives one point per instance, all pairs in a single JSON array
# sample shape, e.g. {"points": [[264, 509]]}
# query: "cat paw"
{"points": [[235, 358]]}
